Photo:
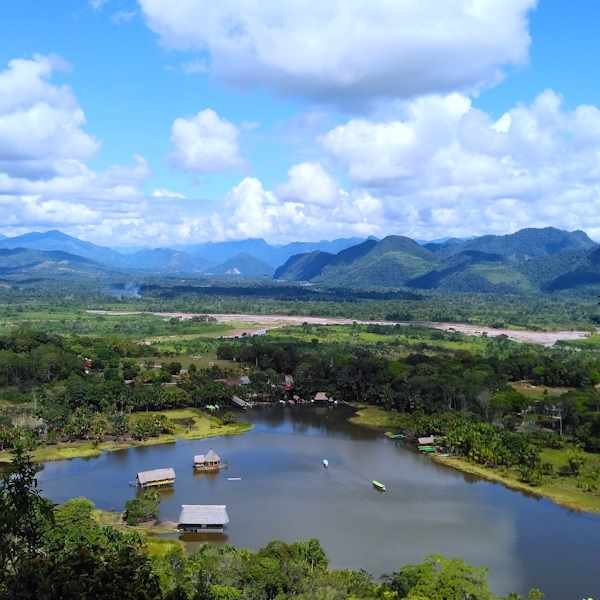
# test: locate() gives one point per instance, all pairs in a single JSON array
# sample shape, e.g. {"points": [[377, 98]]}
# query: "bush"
{"points": [[143, 508]]}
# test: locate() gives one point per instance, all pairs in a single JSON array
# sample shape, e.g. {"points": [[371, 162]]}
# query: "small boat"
{"points": [[234, 479], [325, 463], [378, 485]]}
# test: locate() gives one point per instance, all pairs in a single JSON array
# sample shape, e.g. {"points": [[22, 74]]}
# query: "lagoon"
{"points": [[286, 493]]}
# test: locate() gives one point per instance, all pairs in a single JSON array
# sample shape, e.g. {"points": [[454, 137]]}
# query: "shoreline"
{"points": [[205, 427], [572, 499]]}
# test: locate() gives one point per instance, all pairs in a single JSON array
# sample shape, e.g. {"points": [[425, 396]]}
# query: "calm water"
{"points": [[286, 493]]}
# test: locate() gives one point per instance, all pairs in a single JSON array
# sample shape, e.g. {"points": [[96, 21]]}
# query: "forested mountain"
{"points": [[56, 240], [273, 255], [20, 263], [163, 260], [183, 259], [530, 260], [527, 261], [524, 244], [242, 265]]}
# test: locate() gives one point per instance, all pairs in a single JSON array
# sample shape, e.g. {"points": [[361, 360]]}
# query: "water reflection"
{"points": [[285, 493]]}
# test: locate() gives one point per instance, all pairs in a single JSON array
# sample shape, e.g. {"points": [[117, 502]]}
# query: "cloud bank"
{"points": [[349, 51]]}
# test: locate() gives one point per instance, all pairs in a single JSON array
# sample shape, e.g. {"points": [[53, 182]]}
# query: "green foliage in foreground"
{"points": [[143, 508], [65, 553]]}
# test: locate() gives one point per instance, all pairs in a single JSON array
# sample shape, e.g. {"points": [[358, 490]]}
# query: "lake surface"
{"points": [[286, 493]]}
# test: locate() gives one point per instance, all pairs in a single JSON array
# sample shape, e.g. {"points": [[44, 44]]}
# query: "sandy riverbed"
{"points": [[265, 322]]}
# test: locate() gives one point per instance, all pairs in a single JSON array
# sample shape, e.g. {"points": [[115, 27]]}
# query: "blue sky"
{"points": [[310, 133]]}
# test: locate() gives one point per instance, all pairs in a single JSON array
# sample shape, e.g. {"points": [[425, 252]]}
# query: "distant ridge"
{"points": [[530, 260]]}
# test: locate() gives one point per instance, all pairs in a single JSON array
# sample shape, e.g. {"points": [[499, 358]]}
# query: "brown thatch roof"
{"points": [[145, 477], [212, 456]]}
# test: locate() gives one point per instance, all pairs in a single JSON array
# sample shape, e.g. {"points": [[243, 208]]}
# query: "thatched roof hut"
{"points": [[156, 477], [210, 460]]}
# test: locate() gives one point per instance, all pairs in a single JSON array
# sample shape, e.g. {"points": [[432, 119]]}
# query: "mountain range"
{"points": [[243, 258], [530, 260]]}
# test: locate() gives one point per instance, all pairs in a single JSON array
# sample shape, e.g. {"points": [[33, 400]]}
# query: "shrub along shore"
{"points": [[186, 423]]}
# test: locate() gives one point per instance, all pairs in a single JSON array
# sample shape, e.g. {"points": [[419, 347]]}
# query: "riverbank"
{"points": [[262, 323], [560, 490], [374, 417], [189, 424], [151, 532]]}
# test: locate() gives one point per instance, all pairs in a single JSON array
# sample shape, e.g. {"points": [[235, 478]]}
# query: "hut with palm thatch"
{"points": [[156, 478], [210, 461]]}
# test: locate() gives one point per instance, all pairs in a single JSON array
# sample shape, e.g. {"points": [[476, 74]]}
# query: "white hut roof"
{"points": [[207, 514], [199, 458], [425, 441], [321, 396], [155, 475], [212, 456]]}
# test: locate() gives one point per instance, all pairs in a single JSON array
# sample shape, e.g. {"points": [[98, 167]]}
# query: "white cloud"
{"points": [[443, 167], [309, 183], [205, 143], [353, 50], [165, 193], [41, 124]]}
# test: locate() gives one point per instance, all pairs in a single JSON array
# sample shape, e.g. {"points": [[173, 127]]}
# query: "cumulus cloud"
{"points": [[445, 167], [205, 143], [251, 210], [351, 50], [41, 124], [310, 183]]}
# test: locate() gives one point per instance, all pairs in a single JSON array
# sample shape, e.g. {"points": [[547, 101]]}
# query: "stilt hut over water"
{"points": [[156, 478], [210, 461], [198, 518]]}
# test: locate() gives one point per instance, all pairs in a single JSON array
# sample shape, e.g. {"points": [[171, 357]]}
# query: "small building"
{"points": [[426, 441], [321, 397], [156, 478], [244, 380], [210, 461], [199, 518]]}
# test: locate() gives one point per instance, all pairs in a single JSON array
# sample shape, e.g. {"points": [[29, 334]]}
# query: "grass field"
{"points": [[375, 418], [403, 338], [538, 392], [197, 425]]}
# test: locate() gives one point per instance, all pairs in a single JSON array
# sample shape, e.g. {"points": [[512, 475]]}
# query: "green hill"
{"points": [[22, 263], [530, 260], [241, 265]]}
